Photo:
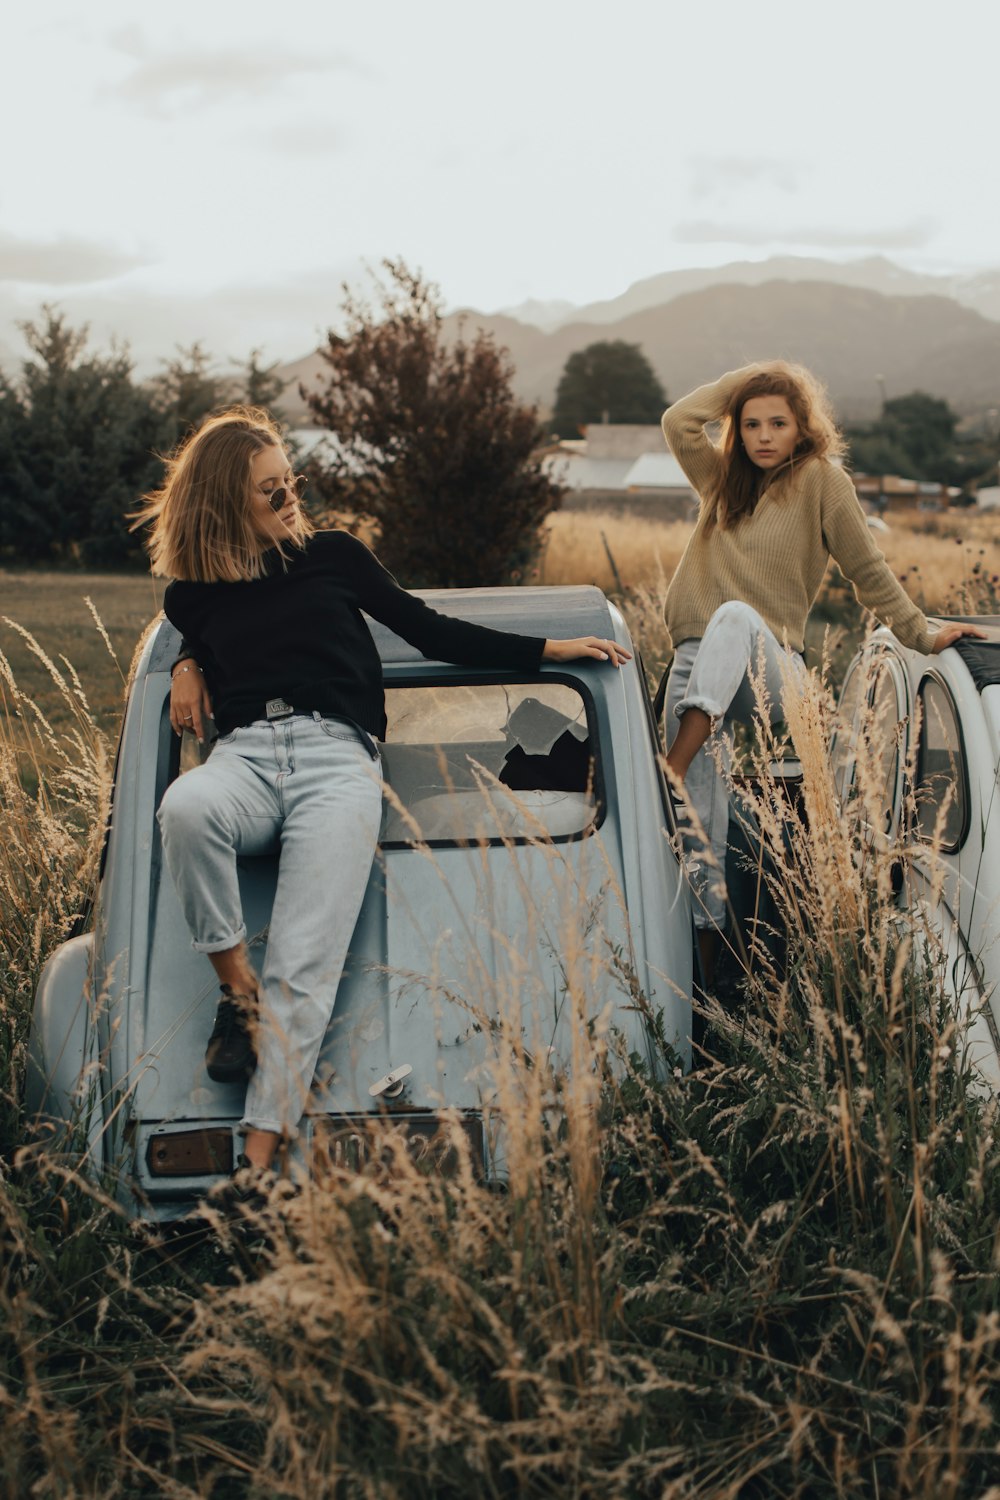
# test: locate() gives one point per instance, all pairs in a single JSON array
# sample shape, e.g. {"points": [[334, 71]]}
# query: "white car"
{"points": [[933, 723]]}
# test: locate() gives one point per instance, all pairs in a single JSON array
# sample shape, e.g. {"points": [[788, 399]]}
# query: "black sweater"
{"points": [[298, 634]]}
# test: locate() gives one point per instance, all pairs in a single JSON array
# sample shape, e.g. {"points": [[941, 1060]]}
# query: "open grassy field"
{"points": [[52, 607], [949, 562]]}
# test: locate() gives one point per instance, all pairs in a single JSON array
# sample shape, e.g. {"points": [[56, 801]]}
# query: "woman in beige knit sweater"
{"points": [[774, 508]]}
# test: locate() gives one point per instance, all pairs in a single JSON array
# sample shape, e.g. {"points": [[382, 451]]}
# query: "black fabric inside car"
{"points": [[566, 768], [982, 659]]}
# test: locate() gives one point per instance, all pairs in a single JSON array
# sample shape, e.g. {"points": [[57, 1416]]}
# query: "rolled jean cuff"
{"points": [[223, 944], [708, 706], [272, 1127]]}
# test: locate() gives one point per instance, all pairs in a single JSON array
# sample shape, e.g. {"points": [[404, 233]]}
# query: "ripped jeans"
{"points": [[714, 673]]}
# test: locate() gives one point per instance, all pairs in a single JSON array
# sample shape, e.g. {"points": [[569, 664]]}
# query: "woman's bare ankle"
{"points": [[233, 967], [693, 732], [260, 1147]]}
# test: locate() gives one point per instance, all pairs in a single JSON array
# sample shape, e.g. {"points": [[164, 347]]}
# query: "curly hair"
{"points": [[739, 483], [201, 518]]}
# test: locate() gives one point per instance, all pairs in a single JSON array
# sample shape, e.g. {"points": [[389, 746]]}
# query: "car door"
{"points": [[952, 812], [901, 760]]}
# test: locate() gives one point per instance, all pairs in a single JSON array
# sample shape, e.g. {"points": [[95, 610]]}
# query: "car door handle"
{"points": [[392, 1084]]}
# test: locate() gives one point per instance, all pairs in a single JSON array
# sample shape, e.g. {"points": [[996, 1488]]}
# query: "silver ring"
{"points": [[188, 718]]}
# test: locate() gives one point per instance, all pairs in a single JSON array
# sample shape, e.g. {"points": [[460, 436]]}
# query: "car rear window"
{"points": [[487, 761]]}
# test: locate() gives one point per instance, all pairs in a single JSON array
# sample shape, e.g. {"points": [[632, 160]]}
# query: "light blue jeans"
{"points": [[310, 789], [714, 673]]}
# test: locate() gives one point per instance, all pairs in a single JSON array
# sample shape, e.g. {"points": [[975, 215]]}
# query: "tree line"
{"points": [[81, 439], [915, 435], [429, 446], [918, 436]]}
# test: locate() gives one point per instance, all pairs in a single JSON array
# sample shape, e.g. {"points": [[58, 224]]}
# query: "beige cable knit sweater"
{"points": [[775, 559]]}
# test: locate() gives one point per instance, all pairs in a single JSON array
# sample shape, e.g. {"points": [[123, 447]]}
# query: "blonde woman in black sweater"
{"points": [[276, 648]]}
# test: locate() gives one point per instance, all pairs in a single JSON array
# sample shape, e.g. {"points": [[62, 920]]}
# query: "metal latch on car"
{"points": [[392, 1085]]}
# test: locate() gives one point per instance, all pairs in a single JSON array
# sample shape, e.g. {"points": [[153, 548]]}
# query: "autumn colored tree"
{"points": [[429, 440]]}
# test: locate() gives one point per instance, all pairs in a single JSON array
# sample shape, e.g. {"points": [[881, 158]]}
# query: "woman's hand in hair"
{"points": [[586, 645], [949, 634], [190, 704]]}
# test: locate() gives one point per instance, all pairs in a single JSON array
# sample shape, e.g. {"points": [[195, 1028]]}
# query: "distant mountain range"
{"points": [[873, 273], [861, 327]]}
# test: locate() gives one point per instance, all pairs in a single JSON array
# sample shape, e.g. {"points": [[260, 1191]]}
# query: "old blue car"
{"points": [[525, 888]]}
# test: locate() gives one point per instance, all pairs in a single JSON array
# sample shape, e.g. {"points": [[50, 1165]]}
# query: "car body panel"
{"points": [[956, 887]]}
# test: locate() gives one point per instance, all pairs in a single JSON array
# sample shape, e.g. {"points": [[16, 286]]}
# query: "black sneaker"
{"points": [[246, 1191], [250, 1191], [230, 1055]]}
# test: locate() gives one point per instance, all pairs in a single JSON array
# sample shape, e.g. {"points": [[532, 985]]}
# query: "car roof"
{"points": [[540, 611], [564, 612]]}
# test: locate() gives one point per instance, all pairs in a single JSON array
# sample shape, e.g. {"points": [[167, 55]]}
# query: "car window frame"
{"points": [[508, 679], [931, 674], [170, 765], [870, 663], [889, 661]]}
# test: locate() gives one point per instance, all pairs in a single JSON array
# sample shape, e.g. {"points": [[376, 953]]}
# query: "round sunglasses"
{"points": [[276, 499]]}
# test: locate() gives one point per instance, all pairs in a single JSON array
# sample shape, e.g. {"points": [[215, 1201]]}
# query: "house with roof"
{"points": [[621, 466], [889, 492]]}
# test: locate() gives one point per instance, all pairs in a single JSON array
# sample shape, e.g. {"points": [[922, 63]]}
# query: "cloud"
{"points": [[298, 138], [285, 319], [168, 85], [724, 174], [65, 261], [913, 236]]}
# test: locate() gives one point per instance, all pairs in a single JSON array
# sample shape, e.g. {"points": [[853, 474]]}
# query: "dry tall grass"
{"points": [[53, 795], [948, 560], [777, 1276]]}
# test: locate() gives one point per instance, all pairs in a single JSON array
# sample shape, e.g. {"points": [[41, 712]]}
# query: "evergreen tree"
{"points": [[916, 436], [609, 381], [261, 385], [187, 390], [82, 440]]}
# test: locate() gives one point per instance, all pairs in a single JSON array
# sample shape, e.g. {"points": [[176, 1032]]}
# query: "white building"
{"points": [[620, 464]]}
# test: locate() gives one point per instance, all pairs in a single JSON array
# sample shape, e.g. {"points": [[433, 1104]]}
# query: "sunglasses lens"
{"points": [[276, 499]]}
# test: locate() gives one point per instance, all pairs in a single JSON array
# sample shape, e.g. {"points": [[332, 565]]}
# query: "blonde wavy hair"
{"points": [[739, 483], [201, 519]]}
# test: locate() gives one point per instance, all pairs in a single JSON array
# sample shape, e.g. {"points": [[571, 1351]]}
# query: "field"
{"points": [[938, 553], [53, 608], [774, 1277], [947, 562]]}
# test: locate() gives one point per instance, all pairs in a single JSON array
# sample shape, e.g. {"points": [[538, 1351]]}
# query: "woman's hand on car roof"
{"points": [[586, 645], [949, 634]]}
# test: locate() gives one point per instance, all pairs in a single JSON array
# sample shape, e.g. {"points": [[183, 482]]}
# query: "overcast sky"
{"points": [[215, 170]]}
